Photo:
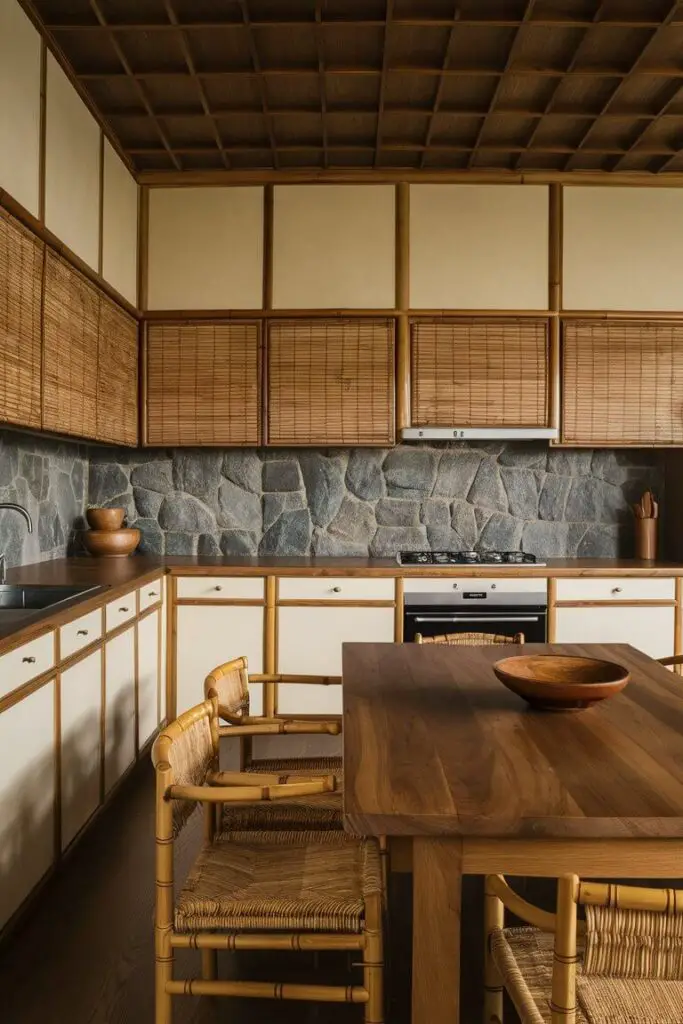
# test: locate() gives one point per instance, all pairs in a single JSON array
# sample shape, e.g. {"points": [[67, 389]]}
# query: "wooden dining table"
{"points": [[464, 778]]}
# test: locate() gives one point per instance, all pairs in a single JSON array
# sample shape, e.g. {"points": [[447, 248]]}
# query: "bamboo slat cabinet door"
{"points": [[119, 709], [70, 350], [117, 375], [148, 676], [331, 382], [21, 288], [203, 383], [81, 743], [27, 791]]}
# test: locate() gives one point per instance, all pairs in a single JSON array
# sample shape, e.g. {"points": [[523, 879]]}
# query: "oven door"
{"points": [[438, 619]]}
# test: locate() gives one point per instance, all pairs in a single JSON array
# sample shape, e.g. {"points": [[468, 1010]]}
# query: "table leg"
{"points": [[437, 885]]}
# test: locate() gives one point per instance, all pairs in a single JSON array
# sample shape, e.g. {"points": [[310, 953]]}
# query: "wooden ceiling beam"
{"points": [[403, 147], [258, 72], [388, 14], [671, 71], [172, 17], [198, 26], [661, 115], [442, 82], [97, 11], [125, 113], [322, 90]]}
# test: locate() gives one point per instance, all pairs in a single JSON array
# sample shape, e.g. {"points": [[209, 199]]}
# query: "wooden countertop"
{"points": [[434, 745], [118, 575]]}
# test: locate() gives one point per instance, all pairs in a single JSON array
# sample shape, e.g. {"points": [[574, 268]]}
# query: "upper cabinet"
{"points": [[623, 248], [333, 247], [72, 168], [479, 247], [19, 106], [205, 248], [119, 225], [21, 287]]}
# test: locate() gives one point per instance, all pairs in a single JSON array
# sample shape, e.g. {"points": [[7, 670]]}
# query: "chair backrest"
{"points": [[470, 639], [231, 682], [185, 752]]}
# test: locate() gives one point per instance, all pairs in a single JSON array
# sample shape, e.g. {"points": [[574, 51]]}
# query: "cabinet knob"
{"points": [[82, 632], [455, 586], [123, 609], [336, 590], [30, 660], [151, 593], [616, 590], [218, 587]]}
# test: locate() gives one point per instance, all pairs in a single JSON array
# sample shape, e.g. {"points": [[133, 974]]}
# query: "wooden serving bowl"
{"points": [[558, 682], [105, 518], [111, 543]]}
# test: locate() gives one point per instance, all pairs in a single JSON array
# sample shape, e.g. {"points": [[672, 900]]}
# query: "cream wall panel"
{"points": [[478, 247], [205, 248], [333, 246], [19, 106], [119, 226], [623, 248], [81, 709], [72, 167]]}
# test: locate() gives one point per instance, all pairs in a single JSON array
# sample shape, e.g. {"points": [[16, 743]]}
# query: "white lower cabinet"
{"points": [[119, 713], [148, 677], [81, 743], [649, 628], [27, 793], [309, 642], [208, 635]]}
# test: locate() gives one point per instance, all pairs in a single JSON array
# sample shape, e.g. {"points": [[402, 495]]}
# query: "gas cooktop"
{"points": [[467, 558]]}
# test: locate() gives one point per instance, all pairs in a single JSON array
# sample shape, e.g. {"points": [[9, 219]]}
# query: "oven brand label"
{"points": [[479, 594]]}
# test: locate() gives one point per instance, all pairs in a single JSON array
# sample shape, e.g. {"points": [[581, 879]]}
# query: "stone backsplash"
{"points": [[547, 501], [50, 478]]}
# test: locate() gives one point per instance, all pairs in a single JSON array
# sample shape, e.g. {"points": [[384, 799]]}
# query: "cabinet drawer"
{"points": [[615, 589], [150, 594], [120, 611], [446, 585], [336, 588], [220, 588], [80, 633], [26, 662]]}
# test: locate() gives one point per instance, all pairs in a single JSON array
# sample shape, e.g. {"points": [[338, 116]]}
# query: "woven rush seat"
{"points": [[303, 881], [323, 811], [524, 957], [470, 639]]}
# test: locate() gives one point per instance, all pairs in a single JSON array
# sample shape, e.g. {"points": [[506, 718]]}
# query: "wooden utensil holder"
{"points": [[646, 539]]}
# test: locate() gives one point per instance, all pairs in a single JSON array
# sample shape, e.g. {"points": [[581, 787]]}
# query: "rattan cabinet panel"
{"points": [[21, 271], [622, 382], [480, 372], [71, 330], [117, 375], [331, 382], [203, 384]]}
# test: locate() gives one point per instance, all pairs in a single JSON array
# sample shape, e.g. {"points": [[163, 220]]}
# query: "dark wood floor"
{"points": [[84, 952]]}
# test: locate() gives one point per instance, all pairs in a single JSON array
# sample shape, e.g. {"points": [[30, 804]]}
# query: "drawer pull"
{"points": [[123, 609], [336, 590], [218, 587], [616, 590], [29, 660], [152, 593], [82, 632]]}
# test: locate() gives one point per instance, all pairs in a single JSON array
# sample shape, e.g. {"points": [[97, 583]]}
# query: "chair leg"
{"points": [[373, 961], [163, 972], [209, 964], [494, 912]]}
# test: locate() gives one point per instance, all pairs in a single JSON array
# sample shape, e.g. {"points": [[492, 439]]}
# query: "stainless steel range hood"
{"points": [[479, 433]]}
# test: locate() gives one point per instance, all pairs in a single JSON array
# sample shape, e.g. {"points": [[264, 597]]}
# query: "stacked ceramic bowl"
{"points": [[107, 537]]}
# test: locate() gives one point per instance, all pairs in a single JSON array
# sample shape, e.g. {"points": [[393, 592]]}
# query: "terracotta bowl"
{"points": [[105, 518], [111, 543], [553, 682]]}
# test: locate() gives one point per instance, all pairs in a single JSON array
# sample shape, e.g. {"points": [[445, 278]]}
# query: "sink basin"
{"points": [[16, 596]]}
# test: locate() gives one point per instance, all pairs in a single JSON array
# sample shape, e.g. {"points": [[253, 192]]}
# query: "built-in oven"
{"points": [[476, 605]]}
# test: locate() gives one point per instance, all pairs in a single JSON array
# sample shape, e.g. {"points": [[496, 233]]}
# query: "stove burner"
{"points": [[467, 558]]}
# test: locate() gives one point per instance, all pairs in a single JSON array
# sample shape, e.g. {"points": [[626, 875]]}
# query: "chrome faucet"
{"points": [[13, 507]]}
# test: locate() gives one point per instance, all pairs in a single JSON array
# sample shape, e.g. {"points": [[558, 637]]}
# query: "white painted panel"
{"points": [[26, 662], [27, 789], [72, 167], [505, 585], [220, 588], [81, 708], [615, 588], [119, 226], [333, 246], [151, 593], [164, 639], [205, 248], [479, 246], [309, 641], [19, 106], [79, 633], [208, 636], [120, 610], [649, 629], [336, 588], [119, 712], [623, 248], [148, 676]]}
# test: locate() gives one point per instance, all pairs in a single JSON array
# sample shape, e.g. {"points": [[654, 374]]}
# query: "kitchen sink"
{"points": [[21, 597]]}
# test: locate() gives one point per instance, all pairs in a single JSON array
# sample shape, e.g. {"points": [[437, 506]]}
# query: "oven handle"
{"points": [[478, 618]]}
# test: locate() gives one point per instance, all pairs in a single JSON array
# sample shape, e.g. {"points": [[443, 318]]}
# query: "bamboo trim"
{"points": [[615, 604], [270, 690], [555, 226], [267, 990], [42, 143], [300, 603], [57, 766], [171, 641], [630, 897], [211, 601], [278, 677], [184, 317], [402, 285], [100, 211], [268, 209], [103, 709], [399, 609], [494, 919], [160, 640], [563, 994], [621, 314], [136, 671], [142, 383], [554, 375], [143, 247], [294, 941], [497, 886]]}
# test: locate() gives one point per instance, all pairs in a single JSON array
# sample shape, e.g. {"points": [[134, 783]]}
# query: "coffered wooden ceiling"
{"points": [[519, 85]]}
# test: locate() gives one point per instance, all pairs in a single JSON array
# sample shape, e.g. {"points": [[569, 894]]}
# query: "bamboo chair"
{"points": [[229, 683], [256, 890], [624, 962], [470, 639]]}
